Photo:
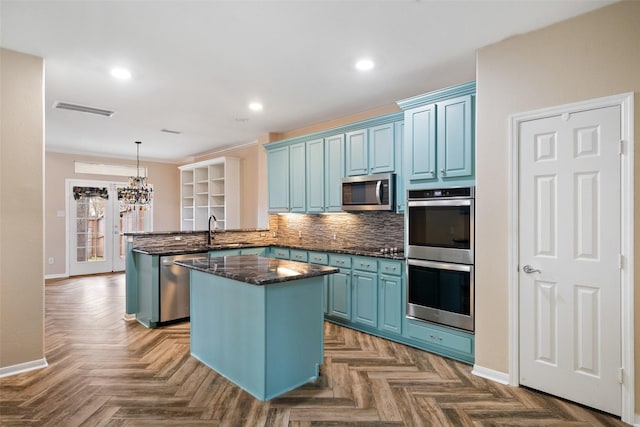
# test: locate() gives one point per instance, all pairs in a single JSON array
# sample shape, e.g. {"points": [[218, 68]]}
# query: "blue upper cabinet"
{"points": [[357, 148], [297, 167], [315, 175], [278, 179], [455, 137], [420, 143], [401, 196], [382, 141], [439, 138], [334, 172]]}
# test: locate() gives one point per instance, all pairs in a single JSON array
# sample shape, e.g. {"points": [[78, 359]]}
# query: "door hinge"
{"points": [[621, 375], [620, 261], [621, 147]]}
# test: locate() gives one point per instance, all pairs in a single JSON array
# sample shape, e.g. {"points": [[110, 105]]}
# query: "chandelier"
{"points": [[138, 192]]}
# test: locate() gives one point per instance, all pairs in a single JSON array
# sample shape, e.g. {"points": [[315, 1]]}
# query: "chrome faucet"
{"points": [[210, 235]]}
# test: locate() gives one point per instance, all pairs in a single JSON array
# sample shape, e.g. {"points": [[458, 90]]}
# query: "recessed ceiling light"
{"points": [[364, 64], [121, 73], [255, 106]]}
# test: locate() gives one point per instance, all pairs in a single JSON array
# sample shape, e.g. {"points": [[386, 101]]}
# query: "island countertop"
{"points": [[255, 269]]}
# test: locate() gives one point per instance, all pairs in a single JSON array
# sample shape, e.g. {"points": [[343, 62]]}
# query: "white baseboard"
{"points": [[23, 367], [129, 317], [490, 374], [56, 276]]}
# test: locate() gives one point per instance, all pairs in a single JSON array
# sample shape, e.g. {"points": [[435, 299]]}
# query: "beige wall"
{"points": [[59, 167], [591, 56], [21, 208]]}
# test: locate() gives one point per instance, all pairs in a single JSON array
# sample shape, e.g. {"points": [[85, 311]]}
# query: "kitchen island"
{"points": [[258, 321]]}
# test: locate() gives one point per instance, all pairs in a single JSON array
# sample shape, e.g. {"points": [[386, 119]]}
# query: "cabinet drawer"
{"points": [[365, 264], [343, 261], [297, 255], [458, 341], [391, 267], [318, 258], [280, 253], [253, 251], [224, 252]]}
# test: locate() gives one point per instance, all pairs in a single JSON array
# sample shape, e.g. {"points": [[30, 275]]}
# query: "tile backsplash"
{"points": [[366, 229]]}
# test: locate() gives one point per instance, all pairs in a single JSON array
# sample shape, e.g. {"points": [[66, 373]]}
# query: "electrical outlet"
{"points": [[300, 234], [51, 260], [263, 234], [334, 236], [177, 237]]}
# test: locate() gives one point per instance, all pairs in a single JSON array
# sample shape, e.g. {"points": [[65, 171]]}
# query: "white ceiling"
{"points": [[197, 64]]}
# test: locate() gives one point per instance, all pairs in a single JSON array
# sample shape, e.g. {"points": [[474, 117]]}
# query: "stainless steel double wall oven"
{"points": [[440, 252]]}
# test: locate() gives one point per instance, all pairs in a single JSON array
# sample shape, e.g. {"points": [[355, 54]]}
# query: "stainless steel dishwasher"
{"points": [[174, 287]]}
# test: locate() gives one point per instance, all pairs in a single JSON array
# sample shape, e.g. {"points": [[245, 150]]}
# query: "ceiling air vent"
{"points": [[83, 109], [176, 132]]}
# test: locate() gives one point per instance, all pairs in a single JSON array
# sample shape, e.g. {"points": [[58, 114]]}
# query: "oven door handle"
{"points": [[450, 202], [379, 191], [440, 265]]}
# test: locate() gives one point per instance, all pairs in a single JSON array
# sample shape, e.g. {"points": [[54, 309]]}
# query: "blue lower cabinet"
{"points": [[224, 252], [365, 298], [391, 304], [450, 342], [280, 253], [322, 259], [298, 255], [254, 251], [340, 294]]}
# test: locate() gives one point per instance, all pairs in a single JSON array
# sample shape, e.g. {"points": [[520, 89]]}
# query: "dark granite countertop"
{"points": [[178, 249], [256, 270], [169, 233]]}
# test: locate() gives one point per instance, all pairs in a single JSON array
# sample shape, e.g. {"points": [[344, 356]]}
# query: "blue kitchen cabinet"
{"points": [[382, 153], [261, 251], [365, 291], [455, 137], [401, 197], [420, 143], [439, 138], [280, 253], [357, 152], [278, 179], [322, 259], [297, 170], [334, 172], [298, 255], [365, 298], [391, 306], [340, 294], [315, 170]]}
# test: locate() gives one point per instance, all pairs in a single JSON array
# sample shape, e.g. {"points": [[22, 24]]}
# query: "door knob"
{"points": [[528, 269]]}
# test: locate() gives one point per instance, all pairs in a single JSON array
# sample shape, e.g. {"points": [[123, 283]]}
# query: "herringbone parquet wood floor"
{"points": [[104, 371]]}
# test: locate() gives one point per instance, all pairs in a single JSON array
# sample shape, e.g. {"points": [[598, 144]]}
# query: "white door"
{"points": [[97, 221], [569, 255]]}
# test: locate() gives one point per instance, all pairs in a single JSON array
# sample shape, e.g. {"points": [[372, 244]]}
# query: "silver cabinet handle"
{"points": [[442, 172], [528, 269]]}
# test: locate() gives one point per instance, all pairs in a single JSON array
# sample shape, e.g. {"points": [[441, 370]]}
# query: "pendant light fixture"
{"points": [[138, 192]]}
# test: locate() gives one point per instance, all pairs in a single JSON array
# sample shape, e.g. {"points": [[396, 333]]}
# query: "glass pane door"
{"points": [[97, 221]]}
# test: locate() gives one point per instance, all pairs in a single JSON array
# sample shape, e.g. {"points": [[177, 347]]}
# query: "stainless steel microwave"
{"points": [[368, 192]]}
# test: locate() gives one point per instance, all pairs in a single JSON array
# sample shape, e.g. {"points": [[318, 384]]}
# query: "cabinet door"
{"points": [[455, 137], [297, 166], [390, 303], [278, 179], [315, 175], [334, 172], [420, 143], [382, 155], [365, 298], [357, 148], [340, 294], [401, 197]]}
